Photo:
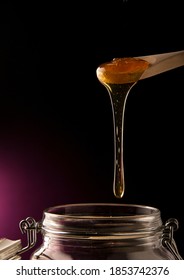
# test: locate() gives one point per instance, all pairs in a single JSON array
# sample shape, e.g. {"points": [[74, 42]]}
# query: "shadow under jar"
{"points": [[100, 231]]}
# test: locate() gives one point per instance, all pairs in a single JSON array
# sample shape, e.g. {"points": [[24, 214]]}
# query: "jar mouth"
{"points": [[103, 210], [101, 220]]}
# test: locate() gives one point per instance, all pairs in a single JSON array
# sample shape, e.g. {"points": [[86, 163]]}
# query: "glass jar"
{"points": [[100, 231]]}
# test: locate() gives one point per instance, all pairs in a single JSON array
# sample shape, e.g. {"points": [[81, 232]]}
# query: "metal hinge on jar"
{"points": [[31, 228], [170, 226]]}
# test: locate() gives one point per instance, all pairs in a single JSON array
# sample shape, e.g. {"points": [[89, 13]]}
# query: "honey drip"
{"points": [[119, 76]]}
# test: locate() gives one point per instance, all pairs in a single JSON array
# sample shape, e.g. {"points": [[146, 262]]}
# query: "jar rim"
{"points": [[102, 210], [107, 220]]}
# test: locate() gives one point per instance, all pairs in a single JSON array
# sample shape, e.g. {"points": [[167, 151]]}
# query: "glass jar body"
{"points": [[102, 232], [77, 250]]}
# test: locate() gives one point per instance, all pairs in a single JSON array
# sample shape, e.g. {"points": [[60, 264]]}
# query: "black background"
{"points": [[56, 136]]}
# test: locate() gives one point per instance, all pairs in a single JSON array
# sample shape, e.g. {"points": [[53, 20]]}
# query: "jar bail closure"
{"points": [[170, 226], [31, 228]]}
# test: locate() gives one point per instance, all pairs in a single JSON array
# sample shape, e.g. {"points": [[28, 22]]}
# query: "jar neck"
{"points": [[102, 222]]}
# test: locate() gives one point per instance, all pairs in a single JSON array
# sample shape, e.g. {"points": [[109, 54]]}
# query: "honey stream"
{"points": [[119, 76]]}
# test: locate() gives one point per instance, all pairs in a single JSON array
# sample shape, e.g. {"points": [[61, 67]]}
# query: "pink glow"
{"points": [[30, 183]]}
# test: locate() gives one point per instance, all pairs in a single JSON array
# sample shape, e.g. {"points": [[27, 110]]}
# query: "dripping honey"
{"points": [[119, 75]]}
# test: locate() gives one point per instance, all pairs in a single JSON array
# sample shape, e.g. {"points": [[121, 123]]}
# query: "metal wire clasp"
{"points": [[31, 227], [170, 226]]}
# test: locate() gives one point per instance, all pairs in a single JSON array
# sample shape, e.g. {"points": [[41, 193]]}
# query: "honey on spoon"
{"points": [[119, 76]]}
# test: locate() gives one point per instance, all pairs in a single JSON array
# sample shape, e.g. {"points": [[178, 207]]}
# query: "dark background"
{"points": [[56, 131]]}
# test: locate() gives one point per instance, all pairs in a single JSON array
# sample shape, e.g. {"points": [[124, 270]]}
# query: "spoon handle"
{"points": [[160, 63]]}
